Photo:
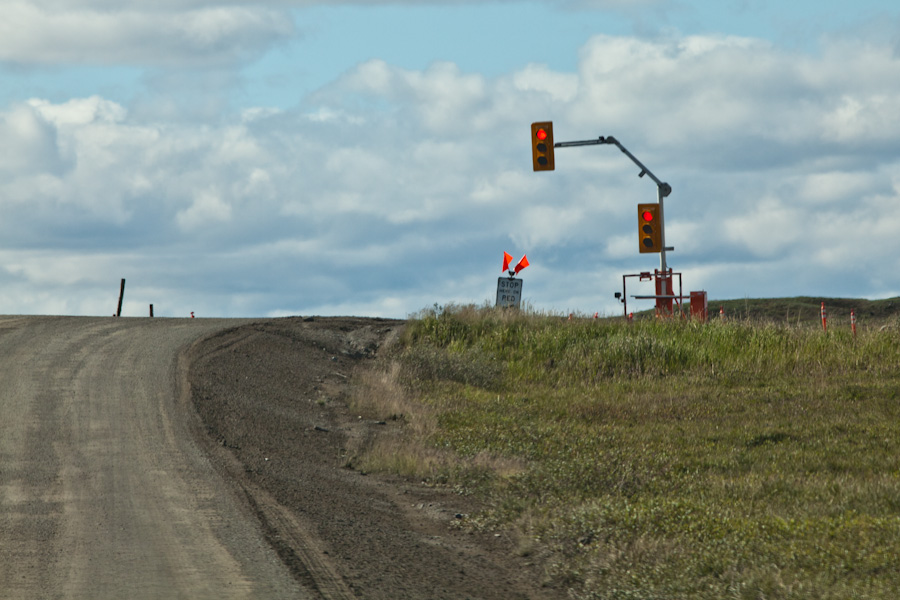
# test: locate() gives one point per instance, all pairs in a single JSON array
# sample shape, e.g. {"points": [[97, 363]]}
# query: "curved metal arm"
{"points": [[664, 188]]}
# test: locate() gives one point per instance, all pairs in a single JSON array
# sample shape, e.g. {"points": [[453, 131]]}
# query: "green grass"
{"points": [[666, 459]]}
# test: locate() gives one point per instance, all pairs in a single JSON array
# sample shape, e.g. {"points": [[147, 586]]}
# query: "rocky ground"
{"points": [[273, 415]]}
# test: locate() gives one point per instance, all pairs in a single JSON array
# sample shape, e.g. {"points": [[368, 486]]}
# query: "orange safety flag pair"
{"points": [[507, 258]]}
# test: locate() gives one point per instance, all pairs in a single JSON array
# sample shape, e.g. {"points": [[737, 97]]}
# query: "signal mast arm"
{"points": [[664, 188]]}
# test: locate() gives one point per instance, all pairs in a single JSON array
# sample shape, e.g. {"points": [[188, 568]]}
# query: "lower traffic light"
{"points": [[649, 228]]}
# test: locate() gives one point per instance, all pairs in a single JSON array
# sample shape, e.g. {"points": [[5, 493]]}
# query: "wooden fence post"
{"points": [[121, 295]]}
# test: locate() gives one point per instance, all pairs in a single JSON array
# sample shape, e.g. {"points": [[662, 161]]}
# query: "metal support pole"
{"points": [[663, 189], [662, 228], [664, 285]]}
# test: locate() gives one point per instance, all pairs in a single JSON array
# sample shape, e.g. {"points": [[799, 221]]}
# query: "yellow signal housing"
{"points": [[649, 228], [542, 146]]}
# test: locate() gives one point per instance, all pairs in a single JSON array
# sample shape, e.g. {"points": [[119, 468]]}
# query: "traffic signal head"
{"points": [[649, 228], [542, 146]]}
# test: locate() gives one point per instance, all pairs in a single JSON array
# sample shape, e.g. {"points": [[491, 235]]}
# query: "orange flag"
{"points": [[522, 264], [507, 258]]}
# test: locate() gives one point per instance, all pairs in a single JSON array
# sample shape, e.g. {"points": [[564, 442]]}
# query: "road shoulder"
{"points": [[270, 403]]}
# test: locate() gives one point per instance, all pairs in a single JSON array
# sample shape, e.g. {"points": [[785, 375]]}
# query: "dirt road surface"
{"points": [[103, 494], [205, 458]]}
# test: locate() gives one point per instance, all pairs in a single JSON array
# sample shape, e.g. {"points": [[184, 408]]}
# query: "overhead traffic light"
{"points": [[649, 228], [542, 146]]}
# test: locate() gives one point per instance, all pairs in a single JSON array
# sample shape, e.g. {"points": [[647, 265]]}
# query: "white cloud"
{"points": [[561, 87], [207, 209], [768, 230], [392, 189], [28, 143], [442, 96], [863, 118], [542, 225], [80, 111], [822, 188], [137, 33]]}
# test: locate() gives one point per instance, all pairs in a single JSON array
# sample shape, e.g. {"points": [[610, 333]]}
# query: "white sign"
{"points": [[509, 292]]}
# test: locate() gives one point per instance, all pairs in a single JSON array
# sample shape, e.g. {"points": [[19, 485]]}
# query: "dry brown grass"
{"points": [[381, 395]]}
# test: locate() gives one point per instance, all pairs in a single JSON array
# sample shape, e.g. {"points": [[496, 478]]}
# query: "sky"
{"points": [[298, 157]]}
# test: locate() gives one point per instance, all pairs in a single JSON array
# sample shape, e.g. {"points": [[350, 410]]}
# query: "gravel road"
{"points": [[103, 494], [205, 458]]}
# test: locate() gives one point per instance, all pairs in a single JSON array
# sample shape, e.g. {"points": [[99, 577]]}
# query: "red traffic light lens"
{"points": [[647, 216], [541, 134]]}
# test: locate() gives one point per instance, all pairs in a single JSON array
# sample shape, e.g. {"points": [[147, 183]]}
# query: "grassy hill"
{"points": [[806, 310], [754, 457]]}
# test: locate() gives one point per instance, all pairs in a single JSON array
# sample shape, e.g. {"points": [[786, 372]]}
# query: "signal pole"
{"points": [[664, 288]]}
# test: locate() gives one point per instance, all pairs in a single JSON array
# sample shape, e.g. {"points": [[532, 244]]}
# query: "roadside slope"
{"points": [[271, 401]]}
